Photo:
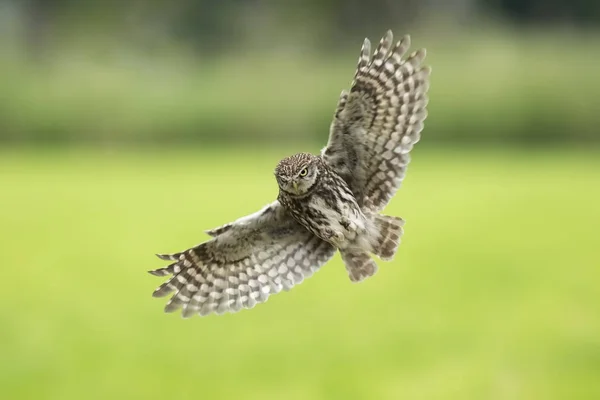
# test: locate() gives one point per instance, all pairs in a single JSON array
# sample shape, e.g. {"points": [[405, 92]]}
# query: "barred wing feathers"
{"points": [[379, 120], [243, 264]]}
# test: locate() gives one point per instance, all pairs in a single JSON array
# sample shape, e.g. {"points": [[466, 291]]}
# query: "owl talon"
{"points": [[348, 224], [345, 222], [335, 238]]}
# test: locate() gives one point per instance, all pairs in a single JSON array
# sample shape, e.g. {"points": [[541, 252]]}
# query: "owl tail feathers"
{"points": [[358, 264], [390, 232]]}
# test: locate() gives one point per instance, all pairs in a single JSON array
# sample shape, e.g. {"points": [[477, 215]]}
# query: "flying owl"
{"points": [[326, 202]]}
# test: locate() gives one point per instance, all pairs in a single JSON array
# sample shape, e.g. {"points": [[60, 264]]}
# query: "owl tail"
{"points": [[385, 244], [358, 264], [390, 231]]}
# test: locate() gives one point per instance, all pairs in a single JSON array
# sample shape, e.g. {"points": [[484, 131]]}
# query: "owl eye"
{"points": [[303, 172]]}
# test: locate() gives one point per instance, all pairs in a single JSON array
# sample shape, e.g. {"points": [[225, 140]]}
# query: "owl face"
{"points": [[297, 174]]}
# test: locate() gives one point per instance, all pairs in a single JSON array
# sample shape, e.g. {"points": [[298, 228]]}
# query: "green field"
{"points": [[493, 294]]}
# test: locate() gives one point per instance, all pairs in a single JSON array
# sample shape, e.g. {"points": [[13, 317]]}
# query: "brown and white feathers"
{"points": [[245, 262], [379, 120], [375, 125]]}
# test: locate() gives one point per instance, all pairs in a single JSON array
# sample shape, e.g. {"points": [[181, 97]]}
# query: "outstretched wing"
{"points": [[245, 262], [378, 122]]}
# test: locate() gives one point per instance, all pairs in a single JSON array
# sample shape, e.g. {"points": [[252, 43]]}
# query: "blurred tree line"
{"points": [[183, 71], [207, 23]]}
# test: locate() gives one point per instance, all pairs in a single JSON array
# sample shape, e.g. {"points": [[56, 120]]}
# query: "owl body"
{"points": [[327, 203], [327, 208], [320, 200]]}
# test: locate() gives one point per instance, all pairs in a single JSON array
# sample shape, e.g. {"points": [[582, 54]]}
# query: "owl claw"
{"points": [[345, 222], [348, 224], [335, 238]]}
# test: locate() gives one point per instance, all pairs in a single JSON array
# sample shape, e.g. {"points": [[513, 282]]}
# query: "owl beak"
{"points": [[295, 185]]}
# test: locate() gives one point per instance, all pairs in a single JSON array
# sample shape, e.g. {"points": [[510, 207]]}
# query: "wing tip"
{"points": [[168, 257], [160, 292], [388, 37], [420, 54], [171, 307]]}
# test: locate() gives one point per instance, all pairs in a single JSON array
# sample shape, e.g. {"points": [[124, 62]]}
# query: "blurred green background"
{"points": [[128, 128]]}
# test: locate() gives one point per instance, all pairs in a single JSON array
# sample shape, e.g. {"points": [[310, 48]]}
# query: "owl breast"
{"points": [[331, 212]]}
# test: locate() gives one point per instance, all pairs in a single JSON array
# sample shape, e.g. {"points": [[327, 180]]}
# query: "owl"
{"points": [[328, 202]]}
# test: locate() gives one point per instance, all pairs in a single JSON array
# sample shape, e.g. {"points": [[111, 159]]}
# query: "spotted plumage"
{"points": [[326, 202]]}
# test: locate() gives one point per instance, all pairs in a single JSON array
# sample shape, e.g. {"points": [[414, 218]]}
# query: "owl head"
{"points": [[297, 174]]}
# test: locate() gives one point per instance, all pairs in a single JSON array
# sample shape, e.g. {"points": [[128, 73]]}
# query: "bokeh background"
{"points": [[129, 127]]}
